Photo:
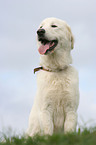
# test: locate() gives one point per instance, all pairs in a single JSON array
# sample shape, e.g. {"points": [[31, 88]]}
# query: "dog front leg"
{"points": [[46, 123], [70, 122]]}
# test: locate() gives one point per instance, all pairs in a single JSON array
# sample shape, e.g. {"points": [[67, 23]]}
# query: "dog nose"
{"points": [[41, 32]]}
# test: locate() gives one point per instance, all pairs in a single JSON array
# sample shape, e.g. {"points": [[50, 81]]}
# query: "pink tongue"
{"points": [[43, 48]]}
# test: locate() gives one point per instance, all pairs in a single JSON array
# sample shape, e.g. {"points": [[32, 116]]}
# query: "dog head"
{"points": [[54, 34]]}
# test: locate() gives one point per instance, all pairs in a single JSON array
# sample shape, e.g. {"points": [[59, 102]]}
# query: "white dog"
{"points": [[57, 96]]}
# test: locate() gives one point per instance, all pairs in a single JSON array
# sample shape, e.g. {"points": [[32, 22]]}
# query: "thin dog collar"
{"points": [[42, 68]]}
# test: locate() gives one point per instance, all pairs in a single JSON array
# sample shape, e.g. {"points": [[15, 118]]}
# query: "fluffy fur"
{"points": [[57, 97]]}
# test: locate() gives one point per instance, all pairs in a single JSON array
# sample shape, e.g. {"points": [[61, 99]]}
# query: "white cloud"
{"points": [[87, 108]]}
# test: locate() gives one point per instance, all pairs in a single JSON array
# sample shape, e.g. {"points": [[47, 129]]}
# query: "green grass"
{"points": [[86, 137]]}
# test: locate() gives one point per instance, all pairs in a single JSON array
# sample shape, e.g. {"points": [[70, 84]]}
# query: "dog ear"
{"points": [[72, 37], [72, 41]]}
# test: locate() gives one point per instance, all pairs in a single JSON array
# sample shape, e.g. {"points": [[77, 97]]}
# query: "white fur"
{"points": [[57, 96]]}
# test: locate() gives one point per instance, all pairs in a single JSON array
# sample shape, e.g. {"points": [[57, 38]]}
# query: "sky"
{"points": [[19, 21]]}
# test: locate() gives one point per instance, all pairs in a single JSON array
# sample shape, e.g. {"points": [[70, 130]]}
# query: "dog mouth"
{"points": [[47, 46]]}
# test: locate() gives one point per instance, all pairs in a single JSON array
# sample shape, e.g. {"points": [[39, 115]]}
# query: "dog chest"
{"points": [[53, 89], [52, 81]]}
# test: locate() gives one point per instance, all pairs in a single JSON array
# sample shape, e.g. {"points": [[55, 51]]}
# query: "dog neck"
{"points": [[44, 69], [56, 61]]}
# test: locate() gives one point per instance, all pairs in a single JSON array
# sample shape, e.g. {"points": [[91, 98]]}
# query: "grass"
{"points": [[85, 137]]}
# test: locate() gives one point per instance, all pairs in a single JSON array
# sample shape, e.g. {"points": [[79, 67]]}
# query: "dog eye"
{"points": [[53, 26], [41, 26]]}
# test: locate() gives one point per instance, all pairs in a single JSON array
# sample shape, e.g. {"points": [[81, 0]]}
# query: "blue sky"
{"points": [[19, 21]]}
